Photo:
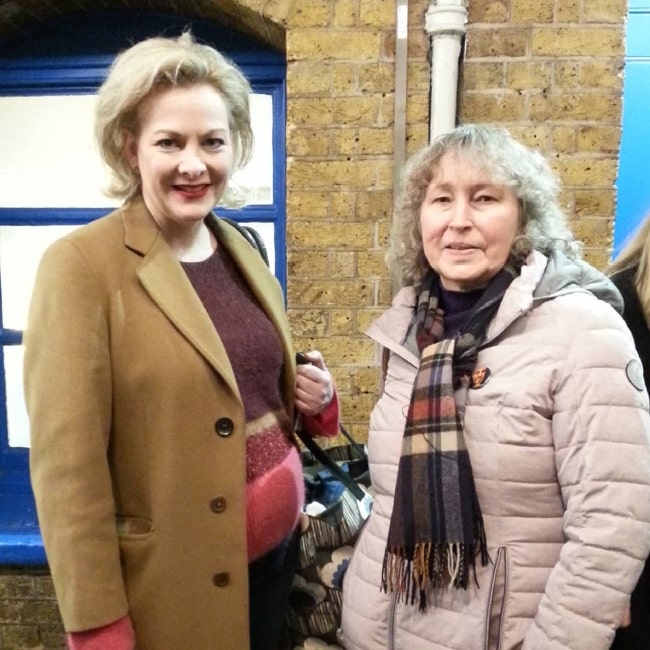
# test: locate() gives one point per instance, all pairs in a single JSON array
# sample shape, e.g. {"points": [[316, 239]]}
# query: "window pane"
{"points": [[17, 422], [48, 157], [21, 248]]}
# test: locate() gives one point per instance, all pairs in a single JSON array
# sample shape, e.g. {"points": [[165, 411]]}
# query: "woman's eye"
{"points": [[165, 143], [214, 143], [485, 198]]}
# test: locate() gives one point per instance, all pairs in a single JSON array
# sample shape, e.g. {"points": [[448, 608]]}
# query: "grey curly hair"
{"points": [[507, 162], [145, 68]]}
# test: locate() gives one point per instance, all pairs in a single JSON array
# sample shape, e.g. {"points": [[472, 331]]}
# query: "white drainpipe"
{"points": [[445, 23]]}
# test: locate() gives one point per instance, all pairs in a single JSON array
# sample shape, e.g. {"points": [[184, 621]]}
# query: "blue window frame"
{"points": [[52, 63]]}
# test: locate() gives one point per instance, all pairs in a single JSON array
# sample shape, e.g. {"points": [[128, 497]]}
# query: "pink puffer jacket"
{"points": [[559, 443]]}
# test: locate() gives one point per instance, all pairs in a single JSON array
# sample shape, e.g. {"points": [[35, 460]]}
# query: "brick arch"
{"points": [[252, 17]]}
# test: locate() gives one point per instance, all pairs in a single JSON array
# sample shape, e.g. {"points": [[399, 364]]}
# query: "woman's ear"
{"points": [[131, 148]]}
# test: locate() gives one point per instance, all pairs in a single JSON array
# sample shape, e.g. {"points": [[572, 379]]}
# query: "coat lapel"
{"points": [[163, 278]]}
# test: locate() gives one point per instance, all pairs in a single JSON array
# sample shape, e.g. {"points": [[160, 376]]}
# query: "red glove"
{"points": [[118, 635]]}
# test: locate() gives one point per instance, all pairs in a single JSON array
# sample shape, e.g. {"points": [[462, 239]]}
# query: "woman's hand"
{"points": [[314, 385]]}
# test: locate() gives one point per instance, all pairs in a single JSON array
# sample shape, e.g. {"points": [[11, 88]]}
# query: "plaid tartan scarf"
{"points": [[433, 542]]}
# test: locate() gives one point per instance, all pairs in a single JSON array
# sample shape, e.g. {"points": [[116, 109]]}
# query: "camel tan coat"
{"points": [[138, 435]]}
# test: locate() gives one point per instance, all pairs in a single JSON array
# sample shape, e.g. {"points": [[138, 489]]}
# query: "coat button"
{"points": [[221, 579], [218, 504], [224, 427]]}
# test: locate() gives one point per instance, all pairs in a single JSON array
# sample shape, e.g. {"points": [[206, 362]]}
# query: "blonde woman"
{"points": [[630, 272], [161, 383]]}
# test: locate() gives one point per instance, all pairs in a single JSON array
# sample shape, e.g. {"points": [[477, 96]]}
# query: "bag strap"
{"points": [[251, 236], [326, 461]]}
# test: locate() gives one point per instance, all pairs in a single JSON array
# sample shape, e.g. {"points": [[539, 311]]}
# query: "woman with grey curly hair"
{"points": [[509, 448], [161, 383]]}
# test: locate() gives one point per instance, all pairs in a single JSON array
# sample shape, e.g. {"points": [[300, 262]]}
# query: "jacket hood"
{"points": [[565, 275]]}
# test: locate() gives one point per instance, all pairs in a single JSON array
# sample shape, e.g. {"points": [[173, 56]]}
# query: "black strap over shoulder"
{"points": [[251, 236]]}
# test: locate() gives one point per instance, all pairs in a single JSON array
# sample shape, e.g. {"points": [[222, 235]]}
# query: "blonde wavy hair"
{"points": [[149, 66], [507, 162], [636, 253]]}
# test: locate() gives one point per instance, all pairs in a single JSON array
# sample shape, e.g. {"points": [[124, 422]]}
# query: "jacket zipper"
{"points": [[502, 557], [391, 622]]}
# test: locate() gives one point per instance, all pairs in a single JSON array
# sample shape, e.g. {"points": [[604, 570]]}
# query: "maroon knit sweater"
{"points": [[275, 487]]}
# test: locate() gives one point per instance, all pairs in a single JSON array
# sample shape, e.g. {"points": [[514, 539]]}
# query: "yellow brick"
{"points": [[592, 232], [417, 136], [345, 349], [568, 11], [488, 11], [417, 109], [366, 316], [309, 78], [365, 380], [307, 205], [332, 174], [308, 322], [343, 235], [537, 136], [526, 11], [342, 264], [492, 42], [418, 77], [528, 75], [362, 141], [356, 110], [604, 11], [377, 14], [319, 45], [595, 202], [345, 78], [371, 264], [572, 106], [582, 171], [341, 322], [346, 13], [316, 13], [598, 258], [342, 204], [492, 107], [308, 142], [606, 75], [603, 73], [603, 139], [375, 205], [479, 75], [384, 179], [573, 41], [328, 293], [313, 111], [308, 264], [564, 139], [377, 77]]}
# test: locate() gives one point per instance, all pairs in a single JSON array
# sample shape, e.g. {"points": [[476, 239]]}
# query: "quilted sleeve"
{"points": [[601, 430]]}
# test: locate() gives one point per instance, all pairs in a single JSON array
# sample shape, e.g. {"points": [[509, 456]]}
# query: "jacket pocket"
{"points": [[133, 527], [495, 614]]}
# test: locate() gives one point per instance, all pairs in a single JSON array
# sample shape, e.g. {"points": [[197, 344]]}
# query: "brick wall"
{"points": [[29, 617], [548, 69]]}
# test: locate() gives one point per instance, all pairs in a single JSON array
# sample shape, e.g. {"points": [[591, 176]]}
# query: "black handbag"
{"points": [[338, 481]]}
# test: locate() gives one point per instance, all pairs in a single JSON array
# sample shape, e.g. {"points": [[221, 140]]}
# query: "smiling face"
{"points": [[468, 224], [183, 153]]}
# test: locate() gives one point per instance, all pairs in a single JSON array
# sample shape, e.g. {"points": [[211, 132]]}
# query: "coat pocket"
{"points": [[133, 527]]}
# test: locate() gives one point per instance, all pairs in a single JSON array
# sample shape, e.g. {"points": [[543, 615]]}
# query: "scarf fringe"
{"points": [[411, 573]]}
